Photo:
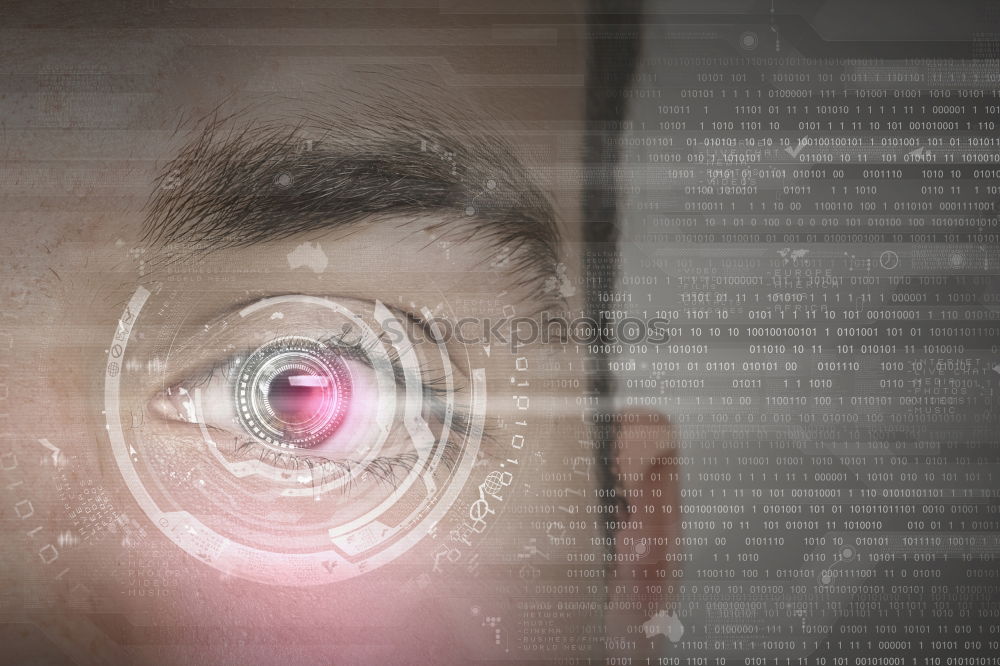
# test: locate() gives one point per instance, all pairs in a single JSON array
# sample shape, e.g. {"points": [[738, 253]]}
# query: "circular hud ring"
{"points": [[292, 393], [272, 515]]}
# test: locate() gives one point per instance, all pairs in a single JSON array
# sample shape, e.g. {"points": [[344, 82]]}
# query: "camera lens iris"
{"points": [[293, 393]]}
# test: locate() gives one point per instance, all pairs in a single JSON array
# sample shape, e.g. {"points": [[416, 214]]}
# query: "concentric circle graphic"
{"points": [[293, 393], [285, 490]]}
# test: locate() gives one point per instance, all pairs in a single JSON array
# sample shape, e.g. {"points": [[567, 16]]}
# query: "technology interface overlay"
{"points": [[807, 202]]}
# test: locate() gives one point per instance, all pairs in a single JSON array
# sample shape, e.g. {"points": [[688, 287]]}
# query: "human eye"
{"points": [[296, 439], [310, 393]]}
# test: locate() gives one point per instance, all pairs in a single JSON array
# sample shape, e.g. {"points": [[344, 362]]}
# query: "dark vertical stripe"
{"points": [[614, 27]]}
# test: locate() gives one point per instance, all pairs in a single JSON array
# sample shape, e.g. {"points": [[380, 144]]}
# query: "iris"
{"points": [[293, 392], [297, 398]]}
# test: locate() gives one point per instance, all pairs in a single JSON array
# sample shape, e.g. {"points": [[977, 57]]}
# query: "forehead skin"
{"points": [[98, 111]]}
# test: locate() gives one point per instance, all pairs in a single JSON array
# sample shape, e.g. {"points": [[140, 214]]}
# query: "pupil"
{"points": [[296, 397]]}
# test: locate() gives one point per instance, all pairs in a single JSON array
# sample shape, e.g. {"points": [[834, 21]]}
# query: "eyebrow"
{"points": [[238, 182]]}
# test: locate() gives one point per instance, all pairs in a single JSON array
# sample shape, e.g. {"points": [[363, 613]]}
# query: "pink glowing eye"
{"points": [[294, 392]]}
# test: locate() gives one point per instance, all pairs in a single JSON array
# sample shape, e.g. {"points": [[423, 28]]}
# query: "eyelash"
{"points": [[382, 470]]}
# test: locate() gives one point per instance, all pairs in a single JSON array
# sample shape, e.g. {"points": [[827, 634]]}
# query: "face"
{"points": [[269, 399]]}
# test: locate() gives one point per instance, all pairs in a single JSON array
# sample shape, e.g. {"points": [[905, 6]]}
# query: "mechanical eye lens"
{"points": [[293, 392]]}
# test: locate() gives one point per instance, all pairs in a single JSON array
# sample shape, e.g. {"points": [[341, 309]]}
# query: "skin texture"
{"points": [[74, 253]]}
